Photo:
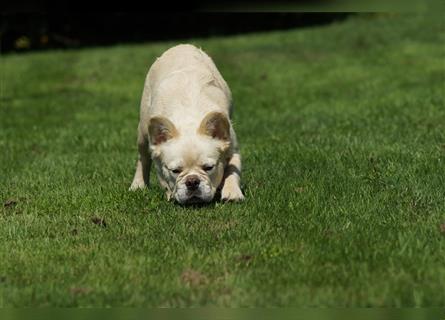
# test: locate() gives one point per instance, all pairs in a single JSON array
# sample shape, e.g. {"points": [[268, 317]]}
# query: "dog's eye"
{"points": [[176, 171], [207, 167]]}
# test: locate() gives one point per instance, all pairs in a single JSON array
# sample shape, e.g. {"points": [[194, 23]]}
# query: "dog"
{"points": [[185, 129]]}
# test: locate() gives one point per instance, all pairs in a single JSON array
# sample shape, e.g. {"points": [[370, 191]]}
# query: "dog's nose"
{"points": [[192, 182]]}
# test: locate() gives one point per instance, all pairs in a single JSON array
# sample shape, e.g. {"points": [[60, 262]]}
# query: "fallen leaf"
{"points": [[10, 203], [99, 221], [244, 258]]}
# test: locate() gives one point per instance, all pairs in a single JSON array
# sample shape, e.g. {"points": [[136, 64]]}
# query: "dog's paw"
{"points": [[137, 185], [231, 193]]}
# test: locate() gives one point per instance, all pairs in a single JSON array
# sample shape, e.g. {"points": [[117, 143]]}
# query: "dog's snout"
{"points": [[192, 182]]}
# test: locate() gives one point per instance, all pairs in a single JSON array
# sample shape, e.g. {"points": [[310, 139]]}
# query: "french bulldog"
{"points": [[185, 129]]}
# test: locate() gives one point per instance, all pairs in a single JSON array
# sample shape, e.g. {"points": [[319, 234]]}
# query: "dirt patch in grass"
{"points": [[76, 291], [299, 189], [442, 228], [193, 278]]}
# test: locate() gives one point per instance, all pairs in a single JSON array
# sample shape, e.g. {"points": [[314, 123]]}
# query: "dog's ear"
{"points": [[160, 130], [215, 125]]}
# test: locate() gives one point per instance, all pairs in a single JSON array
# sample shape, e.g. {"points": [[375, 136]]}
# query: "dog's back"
{"points": [[184, 58], [184, 84]]}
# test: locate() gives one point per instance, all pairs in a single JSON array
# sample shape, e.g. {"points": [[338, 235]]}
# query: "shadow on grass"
{"points": [[206, 205]]}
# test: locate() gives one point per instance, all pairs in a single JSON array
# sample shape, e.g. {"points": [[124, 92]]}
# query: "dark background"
{"points": [[23, 30]]}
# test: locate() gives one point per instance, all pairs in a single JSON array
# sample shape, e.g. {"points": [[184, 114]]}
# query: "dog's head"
{"points": [[190, 165]]}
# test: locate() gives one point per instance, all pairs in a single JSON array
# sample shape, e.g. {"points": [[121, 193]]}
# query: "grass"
{"points": [[342, 132]]}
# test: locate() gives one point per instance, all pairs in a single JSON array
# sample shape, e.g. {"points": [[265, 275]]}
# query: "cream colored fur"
{"points": [[185, 126]]}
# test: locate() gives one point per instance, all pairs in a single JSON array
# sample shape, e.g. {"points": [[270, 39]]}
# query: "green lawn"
{"points": [[342, 133]]}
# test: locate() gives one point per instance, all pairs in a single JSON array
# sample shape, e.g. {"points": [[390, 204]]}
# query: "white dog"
{"points": [[185, 129]]}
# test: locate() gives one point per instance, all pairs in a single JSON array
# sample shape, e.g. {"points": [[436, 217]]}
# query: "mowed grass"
{"points": [[342, 133]]}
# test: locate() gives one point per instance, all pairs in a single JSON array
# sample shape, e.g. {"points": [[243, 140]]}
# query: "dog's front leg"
{"points": [[231, 190], [142, 174]]}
